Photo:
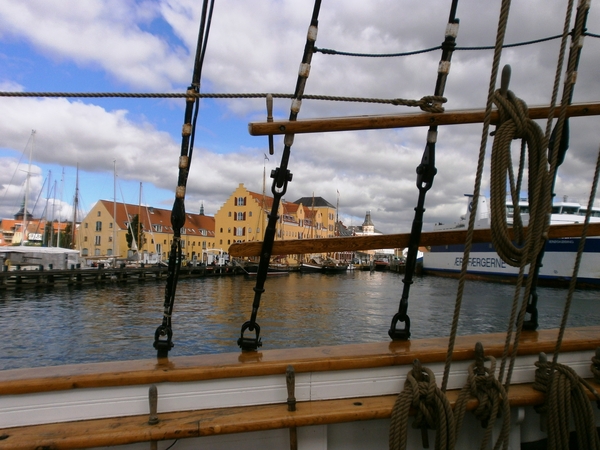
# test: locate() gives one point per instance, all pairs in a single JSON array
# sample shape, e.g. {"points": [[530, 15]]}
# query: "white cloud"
{"points": [[256, 47]]}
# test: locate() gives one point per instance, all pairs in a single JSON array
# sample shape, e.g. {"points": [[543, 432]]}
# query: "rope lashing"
{"points": [[492, 400], [433, 411], [515, 124], [566, 399]]}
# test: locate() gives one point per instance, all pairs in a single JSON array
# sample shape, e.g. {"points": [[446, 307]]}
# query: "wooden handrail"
{"points": [[355, 243], [210, 422], [377, 122]]}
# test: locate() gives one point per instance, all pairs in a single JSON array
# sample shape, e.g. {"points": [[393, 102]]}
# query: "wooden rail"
{"points": [[377, 122], [210, 422], [356, 243], [207, 422]]}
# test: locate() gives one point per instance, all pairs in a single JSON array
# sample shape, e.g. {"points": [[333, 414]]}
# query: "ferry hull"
{"points": [[484, 262]]}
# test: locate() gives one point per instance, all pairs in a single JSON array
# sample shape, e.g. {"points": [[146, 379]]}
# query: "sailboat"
{"points": [[401, 393]]}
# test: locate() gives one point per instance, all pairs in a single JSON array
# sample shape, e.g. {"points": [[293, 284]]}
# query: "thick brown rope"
{"points": [[492, 401], [432, 411], [428, 103], [502, 22], [565, 399]]}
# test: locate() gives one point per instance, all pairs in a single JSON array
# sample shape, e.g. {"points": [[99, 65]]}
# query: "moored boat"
{"points": [[485, 263]]}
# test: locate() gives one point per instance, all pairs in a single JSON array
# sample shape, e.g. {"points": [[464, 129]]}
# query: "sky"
{"points": [[256, 46]]}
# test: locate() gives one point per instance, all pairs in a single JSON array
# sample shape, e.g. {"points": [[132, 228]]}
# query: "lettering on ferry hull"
{"points": [[482, 262]]}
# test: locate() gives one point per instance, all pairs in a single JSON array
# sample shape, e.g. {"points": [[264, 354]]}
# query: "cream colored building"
{"points": [[102, 234], [244, 216]]}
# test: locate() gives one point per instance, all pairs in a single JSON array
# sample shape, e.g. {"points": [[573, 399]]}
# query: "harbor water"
{"points": [[117, 321]]}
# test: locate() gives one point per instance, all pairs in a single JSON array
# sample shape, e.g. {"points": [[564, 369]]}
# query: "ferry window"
{"points": [[556, 210], [98, 226], [570, 210]]}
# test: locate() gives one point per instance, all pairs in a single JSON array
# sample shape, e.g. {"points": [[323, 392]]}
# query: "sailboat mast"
{"points": [[75, 206], [114, 254], [24, 224], [139, 222]]}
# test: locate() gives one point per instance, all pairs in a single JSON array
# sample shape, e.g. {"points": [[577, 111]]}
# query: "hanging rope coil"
{"points": [[565, 399], [433, 411], [515, 124], [492, 400]]}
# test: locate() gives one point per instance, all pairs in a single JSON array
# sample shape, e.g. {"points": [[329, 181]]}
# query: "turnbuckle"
{"points": [[248, 343], [163, 345]]}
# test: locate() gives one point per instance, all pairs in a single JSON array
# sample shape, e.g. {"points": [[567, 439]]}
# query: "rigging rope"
{"points": [[281, 177], [426, 172], [164, 333], [328, 51], [433, 411], [492, 400], [428, 103], [502, 22]]}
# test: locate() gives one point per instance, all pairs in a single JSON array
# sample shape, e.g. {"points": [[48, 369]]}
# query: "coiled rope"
{"points": [[433, 411], [492, 400], [515, 124], [565, 399]]}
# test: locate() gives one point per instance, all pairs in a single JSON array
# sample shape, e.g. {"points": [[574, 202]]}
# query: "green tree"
{"points": [[138, 231], [65, 236]]}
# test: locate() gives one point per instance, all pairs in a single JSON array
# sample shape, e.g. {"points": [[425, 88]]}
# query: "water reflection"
{"points": [[117, 322]]}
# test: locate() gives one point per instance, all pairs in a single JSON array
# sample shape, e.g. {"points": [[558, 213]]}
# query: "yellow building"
{"points": [[102, 234], [244, 216]]}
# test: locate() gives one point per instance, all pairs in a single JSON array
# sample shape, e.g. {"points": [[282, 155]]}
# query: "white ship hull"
{"points": [[484, 262]]}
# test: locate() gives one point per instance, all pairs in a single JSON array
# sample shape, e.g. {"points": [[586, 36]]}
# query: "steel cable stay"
{"points": [[281, 177], [426, 172], [163, 336]]}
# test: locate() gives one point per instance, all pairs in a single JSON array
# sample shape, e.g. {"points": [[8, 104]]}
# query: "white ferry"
{"points": [[485, 263]]}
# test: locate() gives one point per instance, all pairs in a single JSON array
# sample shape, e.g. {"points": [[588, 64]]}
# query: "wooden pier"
{"points": [[26, 279]]}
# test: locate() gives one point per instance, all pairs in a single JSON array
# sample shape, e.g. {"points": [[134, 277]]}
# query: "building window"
{"points": [[229, 214], [240, 216], [229, 230], [239, 231], [85, 225], [85, 239], [249, 230], [249, 213], [98, 226], [157, 228], [97, 241], [110, 239], [109, 252], [99, 213], [84, 252]]}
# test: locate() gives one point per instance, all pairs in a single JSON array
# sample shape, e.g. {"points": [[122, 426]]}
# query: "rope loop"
{"points": [[431, 406], [515, 124]]}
